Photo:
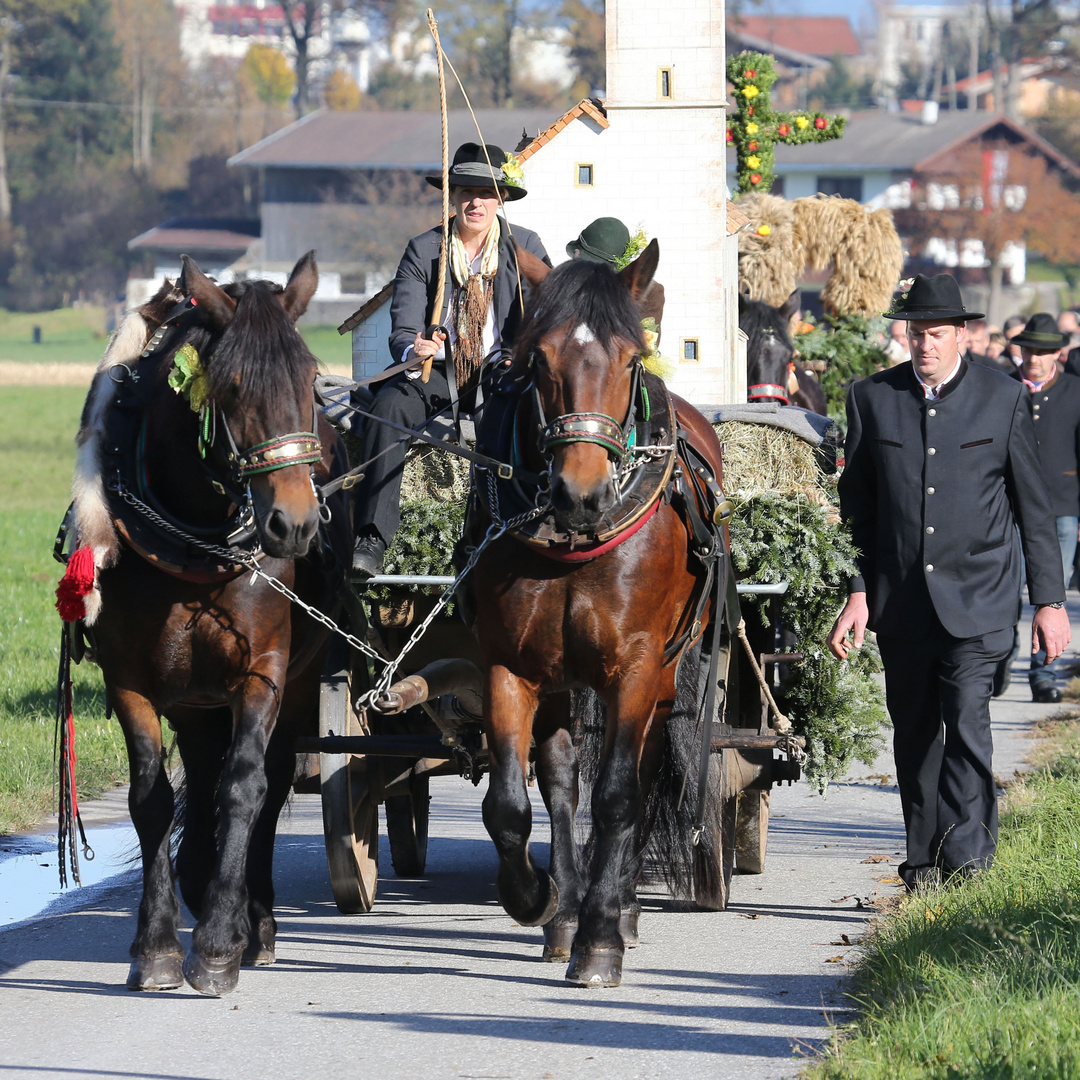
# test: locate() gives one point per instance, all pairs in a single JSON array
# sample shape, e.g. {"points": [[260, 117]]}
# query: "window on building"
{"points": [[690, 352], [665, 83], [847, 187], [584, 175]]}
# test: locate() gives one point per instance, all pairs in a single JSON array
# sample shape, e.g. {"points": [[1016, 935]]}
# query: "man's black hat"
{"points": [[931, 299], [1041, 334], [470, 169]]}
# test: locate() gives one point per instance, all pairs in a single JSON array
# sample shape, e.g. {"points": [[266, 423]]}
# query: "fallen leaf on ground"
{"points": [[878, 858], [835, 960]]}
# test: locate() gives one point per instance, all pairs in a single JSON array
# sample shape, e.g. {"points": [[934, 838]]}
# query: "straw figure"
{"points": [[785, 236]]}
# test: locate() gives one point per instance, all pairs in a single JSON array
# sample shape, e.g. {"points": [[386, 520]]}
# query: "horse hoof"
{"points": [[156, 973], [558, 941], [212, 977], [543, 911], [628, 927], [258, 955], [595, 968]]}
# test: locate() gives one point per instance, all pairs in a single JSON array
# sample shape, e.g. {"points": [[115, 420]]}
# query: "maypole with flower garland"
{"points": [[756, 127]]}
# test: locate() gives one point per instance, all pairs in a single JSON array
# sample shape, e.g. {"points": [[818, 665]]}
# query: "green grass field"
{"points": [[982, 981], [77, 336], [37, 431]]}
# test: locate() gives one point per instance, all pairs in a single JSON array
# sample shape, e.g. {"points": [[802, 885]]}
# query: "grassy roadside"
{"points": [[37, 431], [983, 980]]}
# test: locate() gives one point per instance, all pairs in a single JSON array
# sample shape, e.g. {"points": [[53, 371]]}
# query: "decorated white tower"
{"points": [[655, 158]]}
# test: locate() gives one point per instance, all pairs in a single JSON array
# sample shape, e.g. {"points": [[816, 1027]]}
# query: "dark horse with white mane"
{"points": [[187, 632], [602, 588]]}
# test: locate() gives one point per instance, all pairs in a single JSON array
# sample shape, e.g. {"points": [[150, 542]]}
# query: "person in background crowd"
{"points": [[1013, 325], [978, 334], [896, 347], [996, 347], [1054, 400], [1069, 323], [941, 486]]}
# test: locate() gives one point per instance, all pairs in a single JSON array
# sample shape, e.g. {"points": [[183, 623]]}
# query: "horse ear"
{"points": [[639, 274], [303, 281], [533, 270], [792, 305], [217, 306]]}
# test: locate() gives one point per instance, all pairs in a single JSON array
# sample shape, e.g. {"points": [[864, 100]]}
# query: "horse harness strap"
{"points": [[177, 547], [642, 448]]}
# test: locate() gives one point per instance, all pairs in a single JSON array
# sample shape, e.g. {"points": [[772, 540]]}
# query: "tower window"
{"points": [[584, 176], [690, 353], [665, 83]]}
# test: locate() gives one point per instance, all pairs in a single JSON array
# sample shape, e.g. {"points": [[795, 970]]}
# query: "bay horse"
{"points": [[771, 371], [604, 615], [197, 639]]}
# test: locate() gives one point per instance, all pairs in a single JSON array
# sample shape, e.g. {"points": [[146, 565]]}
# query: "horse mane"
{"points": [[755, 317], [260, 354], [580, 291]]}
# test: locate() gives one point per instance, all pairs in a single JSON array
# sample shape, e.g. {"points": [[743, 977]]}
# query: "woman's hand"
{"points": [[424, 347]]}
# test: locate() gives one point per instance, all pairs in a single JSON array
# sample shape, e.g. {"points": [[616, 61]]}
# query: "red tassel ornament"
{"points": [[75, 585]]}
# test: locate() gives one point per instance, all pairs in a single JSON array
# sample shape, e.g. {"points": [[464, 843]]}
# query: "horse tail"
{"points": [[664, 845]]}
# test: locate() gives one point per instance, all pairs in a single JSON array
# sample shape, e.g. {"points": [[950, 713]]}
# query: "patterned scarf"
{"points": [[471, 303]]}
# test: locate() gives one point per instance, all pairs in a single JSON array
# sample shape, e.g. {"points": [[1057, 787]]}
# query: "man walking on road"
{"points": [[942, 467], [1053, 397]]}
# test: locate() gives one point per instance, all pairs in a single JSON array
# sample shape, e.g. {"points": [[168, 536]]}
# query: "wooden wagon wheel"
{"points": [[350, 813], [752, 831], [714, 863], [407, 827]]}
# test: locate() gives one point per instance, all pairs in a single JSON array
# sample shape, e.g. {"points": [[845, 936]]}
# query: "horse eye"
{"points": [[538, 358]]}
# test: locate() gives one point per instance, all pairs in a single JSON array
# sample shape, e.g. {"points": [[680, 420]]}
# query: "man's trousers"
{"points": [[938, 692]]}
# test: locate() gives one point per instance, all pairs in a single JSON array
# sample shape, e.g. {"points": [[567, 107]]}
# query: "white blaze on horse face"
{"points": [[583, 335]]}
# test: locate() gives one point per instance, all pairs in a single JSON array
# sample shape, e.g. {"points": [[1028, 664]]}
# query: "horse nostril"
{"points": [[277, 525]]}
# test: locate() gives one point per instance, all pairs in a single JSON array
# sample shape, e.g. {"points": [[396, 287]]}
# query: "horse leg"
{"points": [[557, 775], [298, 708], [526, 892], [213, 965], [155, 952], [596, 957], [203, 741]]}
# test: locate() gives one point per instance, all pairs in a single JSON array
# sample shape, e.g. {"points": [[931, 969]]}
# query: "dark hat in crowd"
{"points": [[471, 169], [931, 299], [1041, 334], [603, 240]]}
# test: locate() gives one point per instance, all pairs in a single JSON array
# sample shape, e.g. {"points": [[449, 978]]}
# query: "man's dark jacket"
{"points": [[1055, 412], [934, 490], [418, 274]]}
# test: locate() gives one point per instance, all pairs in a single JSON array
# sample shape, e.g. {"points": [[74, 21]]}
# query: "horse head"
{"points": [[259, 391], [582, 340], [769, 351]]}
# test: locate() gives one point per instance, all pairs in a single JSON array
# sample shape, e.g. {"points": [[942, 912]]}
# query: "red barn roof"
{"points": [[817, 35]]}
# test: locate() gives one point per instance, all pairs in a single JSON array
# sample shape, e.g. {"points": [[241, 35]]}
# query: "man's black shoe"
{"points": [[1045, 695], [367, 558]]}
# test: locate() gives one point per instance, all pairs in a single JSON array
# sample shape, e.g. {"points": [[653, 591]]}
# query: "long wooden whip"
{"points": [[440, 288]]}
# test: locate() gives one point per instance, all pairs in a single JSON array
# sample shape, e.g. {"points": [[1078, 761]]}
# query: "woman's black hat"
{"points": [[1041, 334], [932, 298], [470, 169]]}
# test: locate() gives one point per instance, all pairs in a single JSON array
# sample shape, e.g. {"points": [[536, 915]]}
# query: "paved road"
{"points": [[438, 982]]}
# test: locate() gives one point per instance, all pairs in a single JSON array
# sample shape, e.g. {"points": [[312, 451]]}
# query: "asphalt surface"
{"points": [[438, 982]]}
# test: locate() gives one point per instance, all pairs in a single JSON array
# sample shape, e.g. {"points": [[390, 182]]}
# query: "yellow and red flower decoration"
{"points": [[756, 128]]}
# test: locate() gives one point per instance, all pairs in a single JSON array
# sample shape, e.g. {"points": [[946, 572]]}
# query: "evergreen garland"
{"points": [[848, 347], [756, 128], [838, 707]]}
